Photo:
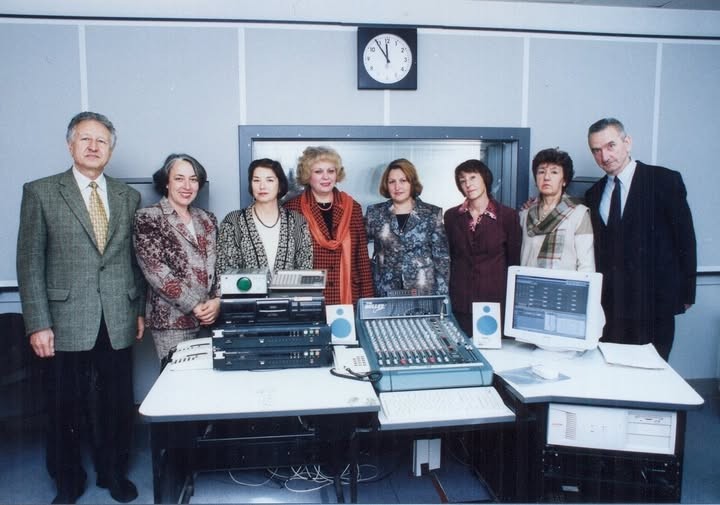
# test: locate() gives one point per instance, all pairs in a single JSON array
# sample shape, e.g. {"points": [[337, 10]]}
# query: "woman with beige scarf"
{"points": [[557, 232]]}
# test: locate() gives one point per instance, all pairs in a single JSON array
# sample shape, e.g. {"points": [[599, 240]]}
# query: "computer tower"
{"points": [[624, 455]]}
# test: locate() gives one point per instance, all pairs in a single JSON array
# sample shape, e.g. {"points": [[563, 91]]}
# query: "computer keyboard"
{"points": [[442, 407]]}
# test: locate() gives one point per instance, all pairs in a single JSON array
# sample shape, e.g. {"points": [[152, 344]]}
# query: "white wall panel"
{"points": [[306, 77], [574, 82], [463, 80], [688, 134], [169, 89], [39, 93]]}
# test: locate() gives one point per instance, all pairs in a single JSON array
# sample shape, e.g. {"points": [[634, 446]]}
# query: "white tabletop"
{"points": [[592, 381], [188, 395]]}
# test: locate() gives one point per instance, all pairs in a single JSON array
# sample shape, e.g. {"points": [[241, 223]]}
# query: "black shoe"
{"points": [[69, 493], [121, 489]]}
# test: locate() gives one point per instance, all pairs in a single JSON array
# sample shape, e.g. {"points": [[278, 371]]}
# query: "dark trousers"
{"points": [[90, 397], [660, 332]]}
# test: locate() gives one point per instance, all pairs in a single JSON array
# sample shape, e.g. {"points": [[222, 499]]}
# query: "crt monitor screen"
{"points": [[554, 309]]}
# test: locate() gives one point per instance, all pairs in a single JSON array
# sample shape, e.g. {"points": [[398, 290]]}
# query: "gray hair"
{"points": [[606, 122], [91, 116], [162, 176]]}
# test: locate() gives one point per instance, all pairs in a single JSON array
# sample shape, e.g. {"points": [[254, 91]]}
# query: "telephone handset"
{"points": [[351, 359]]}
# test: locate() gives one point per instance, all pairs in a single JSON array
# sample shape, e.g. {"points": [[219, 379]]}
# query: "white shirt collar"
{"points": [[83, 181], [627, 173]]}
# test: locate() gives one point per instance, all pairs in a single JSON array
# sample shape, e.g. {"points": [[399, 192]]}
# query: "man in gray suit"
{"points": [[82, 300]]}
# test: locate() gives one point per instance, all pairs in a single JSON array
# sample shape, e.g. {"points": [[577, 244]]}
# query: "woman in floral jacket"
{"points": [[410, 247], [175, 248]]}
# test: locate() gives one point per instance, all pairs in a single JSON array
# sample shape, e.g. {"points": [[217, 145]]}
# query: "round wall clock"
{"points": [[387, 58]]}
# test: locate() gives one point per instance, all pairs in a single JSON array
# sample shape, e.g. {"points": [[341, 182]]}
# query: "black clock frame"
{"points": [[364, 35]]}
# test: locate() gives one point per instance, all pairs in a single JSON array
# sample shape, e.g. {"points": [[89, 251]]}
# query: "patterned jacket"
{"points": [[329, 260], [179, 268], [240, 246], [415, 256]]}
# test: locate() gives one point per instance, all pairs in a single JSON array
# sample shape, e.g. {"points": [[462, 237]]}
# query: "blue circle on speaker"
{"points": [[487, 325], [341, 328]]}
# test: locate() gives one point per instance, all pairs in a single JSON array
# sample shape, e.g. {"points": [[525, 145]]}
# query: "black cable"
{"points": [[371, 376]]}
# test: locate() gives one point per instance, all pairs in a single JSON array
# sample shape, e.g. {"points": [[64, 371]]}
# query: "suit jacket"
{"points": [[653, 273], [65, 282], [479, 260], [179, 267], [414, 257]]}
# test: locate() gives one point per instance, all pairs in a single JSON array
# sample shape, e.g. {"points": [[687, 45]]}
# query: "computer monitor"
{"points": [[557, 310]]}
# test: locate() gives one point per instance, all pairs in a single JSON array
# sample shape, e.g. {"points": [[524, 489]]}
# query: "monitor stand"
{"points": [[540, 355]]}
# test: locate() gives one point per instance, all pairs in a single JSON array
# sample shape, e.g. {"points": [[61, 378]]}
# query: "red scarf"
{"points": [[342, 239]]}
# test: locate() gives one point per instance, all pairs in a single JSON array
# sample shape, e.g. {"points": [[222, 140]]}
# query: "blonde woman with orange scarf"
{"points": [[336, 225]]}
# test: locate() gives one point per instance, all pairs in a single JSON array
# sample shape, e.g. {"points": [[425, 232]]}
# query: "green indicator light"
{"points": [[244, 284]]}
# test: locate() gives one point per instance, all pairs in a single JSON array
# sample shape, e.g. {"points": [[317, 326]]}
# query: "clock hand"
{"points": [[383, 52]]}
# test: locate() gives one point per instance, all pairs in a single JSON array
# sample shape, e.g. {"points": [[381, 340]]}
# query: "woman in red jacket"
{"points": [[336, 225], [484, 238]]}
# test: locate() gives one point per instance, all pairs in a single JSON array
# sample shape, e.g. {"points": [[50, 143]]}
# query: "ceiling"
{"points": [[710, 5]]}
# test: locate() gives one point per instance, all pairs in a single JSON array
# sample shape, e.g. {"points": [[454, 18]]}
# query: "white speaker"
{"points": [[341, 319], [487, 333]]}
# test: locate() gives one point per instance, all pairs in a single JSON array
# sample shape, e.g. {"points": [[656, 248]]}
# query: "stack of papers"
{"points": [[638, 356]]}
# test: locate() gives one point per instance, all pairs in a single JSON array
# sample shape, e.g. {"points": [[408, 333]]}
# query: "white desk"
{"points": [[534, 469], [184, 395], [192, 411], [593, 382]]}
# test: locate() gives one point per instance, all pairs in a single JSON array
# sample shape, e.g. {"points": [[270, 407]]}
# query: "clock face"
{"points": [[387, 58]]}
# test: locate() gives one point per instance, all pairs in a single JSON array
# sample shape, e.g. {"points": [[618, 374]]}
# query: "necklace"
{"points": [[261, 221], [325, 205]]}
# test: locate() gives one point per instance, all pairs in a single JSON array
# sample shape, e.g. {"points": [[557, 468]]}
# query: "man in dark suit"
{"points": [[644, 242], [82, 297]]}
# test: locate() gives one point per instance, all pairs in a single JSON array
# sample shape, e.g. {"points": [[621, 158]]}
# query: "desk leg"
{"points": [[170, 476], [158, 462], [524, 457], [338, 489], [354, 476], [354, 450]]}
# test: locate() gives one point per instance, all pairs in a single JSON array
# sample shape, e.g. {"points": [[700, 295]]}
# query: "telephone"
{"points": [[192, 355], [351, 359]]}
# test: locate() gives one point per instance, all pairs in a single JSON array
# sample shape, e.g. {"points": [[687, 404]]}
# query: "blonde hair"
{"points": [[312, 155]]}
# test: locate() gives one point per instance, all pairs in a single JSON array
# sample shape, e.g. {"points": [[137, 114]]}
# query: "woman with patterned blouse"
{"points": [[336, 225], [264, 234], [410, 253], [175, 247]]}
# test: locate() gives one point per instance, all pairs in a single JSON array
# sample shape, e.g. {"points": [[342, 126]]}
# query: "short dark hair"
{"points": [[477, 167], [606, 122], [277, 169], [90, 116], [554, 156], [407, 168], [162, 176]]}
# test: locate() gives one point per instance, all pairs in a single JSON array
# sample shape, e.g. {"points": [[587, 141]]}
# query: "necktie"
{"points": [[98, 217], [615, 213]]}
